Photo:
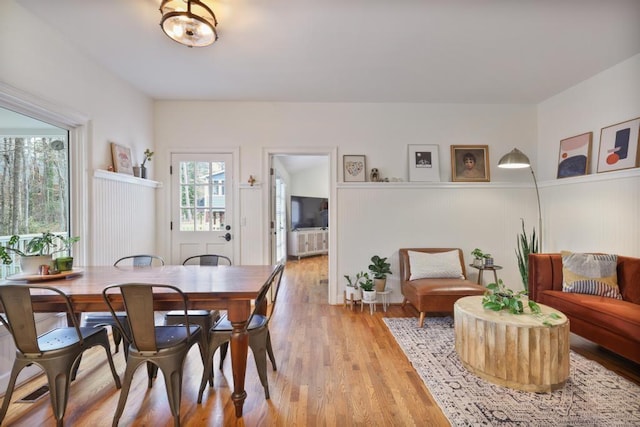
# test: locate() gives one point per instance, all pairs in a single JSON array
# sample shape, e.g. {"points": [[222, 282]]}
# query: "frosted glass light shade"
{"points": [[189, 22]]}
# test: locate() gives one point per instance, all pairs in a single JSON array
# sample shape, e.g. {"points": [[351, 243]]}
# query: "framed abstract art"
{"points": [[619, 146], [354, 168], [575, 155]]}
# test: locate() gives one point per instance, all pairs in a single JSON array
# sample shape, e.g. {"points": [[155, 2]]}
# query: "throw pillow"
{"points": [[440, 265], [591, 274]]}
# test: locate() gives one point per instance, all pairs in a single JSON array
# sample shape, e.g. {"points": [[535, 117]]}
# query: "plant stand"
{"points": [[351, 299], [372, 305], [385, 299]]}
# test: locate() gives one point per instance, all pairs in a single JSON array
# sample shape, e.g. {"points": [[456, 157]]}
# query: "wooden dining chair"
{"points": [[258, 330], [204, 318], [57, 351], [164, 346], [105, 319]]}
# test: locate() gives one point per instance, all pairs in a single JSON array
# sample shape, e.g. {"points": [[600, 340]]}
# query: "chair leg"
{"points": [[223, 353], [421, 321], [404, 302], [173, 384], [270, 352], [59, 377], [124, 391], [259, 350], [18, 365]]}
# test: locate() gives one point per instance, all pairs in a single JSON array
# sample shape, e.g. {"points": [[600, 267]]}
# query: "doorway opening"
{"points": [[301, 196]]}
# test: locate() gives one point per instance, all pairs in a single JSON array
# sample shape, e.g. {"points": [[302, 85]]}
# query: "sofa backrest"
{"points": [[405, 267], [545, 273]]}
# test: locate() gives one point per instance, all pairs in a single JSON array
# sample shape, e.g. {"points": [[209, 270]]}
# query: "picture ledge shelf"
{"points": [[114, 176]]}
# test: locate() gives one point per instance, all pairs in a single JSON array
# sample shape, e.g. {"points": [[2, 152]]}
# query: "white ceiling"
{"points": [[436, 51]]}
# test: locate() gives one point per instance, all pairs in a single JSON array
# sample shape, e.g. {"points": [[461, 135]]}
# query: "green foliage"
{"points": [[478, 254], [498, 297], [45, 244], [355, 283], [147, 156], [379, 267], [366, 283], [525, 247]]}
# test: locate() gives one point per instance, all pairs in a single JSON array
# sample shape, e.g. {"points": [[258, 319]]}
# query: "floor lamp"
{"points": [[516, 159]]}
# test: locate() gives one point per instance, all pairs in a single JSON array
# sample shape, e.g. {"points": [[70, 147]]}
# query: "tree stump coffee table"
{"points": [[510, 350]]}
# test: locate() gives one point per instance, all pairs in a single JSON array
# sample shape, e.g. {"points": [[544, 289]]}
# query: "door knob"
{"points": [[226, 237]]}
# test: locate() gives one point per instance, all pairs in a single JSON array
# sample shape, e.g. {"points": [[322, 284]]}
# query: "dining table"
{"points": [[226, 287]]}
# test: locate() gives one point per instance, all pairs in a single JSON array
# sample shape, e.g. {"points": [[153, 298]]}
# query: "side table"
{"points": [[481, 269]]}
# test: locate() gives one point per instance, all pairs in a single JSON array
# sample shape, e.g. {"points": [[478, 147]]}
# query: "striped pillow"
{"points": [[590, 274]]}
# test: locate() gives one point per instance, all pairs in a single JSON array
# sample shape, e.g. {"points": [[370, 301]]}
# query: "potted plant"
{"points": [[525, 247], [147, 156], [368, 290], [65, 262], [379, 267], [480, 259], [498, 297], [35, 252], [352, 291]]}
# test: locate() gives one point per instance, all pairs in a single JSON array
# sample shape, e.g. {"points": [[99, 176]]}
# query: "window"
{"points": [[34, 178], [202, 201]]}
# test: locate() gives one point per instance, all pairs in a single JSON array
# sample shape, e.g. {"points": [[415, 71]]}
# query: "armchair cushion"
{"points": [[435, 265]]}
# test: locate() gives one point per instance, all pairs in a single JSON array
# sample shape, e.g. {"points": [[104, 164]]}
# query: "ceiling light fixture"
{"points": [[189, 22], [516, 159]]}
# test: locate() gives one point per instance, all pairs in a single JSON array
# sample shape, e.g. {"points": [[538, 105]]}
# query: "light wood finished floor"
{"points": [[335, 367]]}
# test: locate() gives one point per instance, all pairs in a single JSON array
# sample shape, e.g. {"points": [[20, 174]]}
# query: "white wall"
{"points": [[374, 218], [36, 61], [598, 212]]}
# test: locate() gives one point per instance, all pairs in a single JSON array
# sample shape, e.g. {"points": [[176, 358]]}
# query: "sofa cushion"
{"points": [[440, 265], [593, 274], [619, 317]]}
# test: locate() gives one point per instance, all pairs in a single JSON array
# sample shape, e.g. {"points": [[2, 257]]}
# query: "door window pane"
{"points": [[202, 187]]}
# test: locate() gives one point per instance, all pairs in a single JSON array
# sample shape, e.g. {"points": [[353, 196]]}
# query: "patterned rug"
{"points": [[592, 396]]}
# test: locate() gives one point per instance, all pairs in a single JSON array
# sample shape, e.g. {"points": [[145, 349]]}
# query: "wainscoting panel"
{"points": [[123, 218]]}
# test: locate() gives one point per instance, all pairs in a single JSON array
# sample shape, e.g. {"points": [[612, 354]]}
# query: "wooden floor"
{"points": [[335, 367]]}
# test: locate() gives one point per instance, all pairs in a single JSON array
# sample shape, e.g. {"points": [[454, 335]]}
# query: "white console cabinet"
{"points": [[310, 241]]}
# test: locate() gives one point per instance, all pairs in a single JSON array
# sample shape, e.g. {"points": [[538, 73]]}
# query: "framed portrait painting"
{"points": [[121, 157], [353, 168], [424, 164], [575, 155], [470, 163], [619, 146]]}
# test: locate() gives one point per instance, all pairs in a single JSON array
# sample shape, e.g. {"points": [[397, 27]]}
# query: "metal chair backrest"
{"points": [[20, 320], [140, 260], [207, 259], [273, 280], [138, 300]]}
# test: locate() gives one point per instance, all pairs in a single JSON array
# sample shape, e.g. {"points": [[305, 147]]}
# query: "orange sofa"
{"points": [[614, 324], [434, 295]]}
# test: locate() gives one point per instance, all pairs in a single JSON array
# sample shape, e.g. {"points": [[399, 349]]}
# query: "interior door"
{"points": [[201, 213], [278, 218]]}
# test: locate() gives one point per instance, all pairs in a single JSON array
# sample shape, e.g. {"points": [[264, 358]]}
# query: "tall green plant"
{"points": [[525, 247]]}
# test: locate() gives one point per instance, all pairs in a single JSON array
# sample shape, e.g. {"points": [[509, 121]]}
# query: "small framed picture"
{"points": [[354, 168], [470, 163], [575, 155], [121, 157], [424, 164], [619, 146]]}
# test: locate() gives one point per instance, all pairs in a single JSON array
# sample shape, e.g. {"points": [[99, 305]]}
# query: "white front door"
{"points": [[201, 213]]}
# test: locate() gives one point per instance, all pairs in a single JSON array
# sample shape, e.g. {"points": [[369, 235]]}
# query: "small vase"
{"points": [[136, 171], [143, 171], [64, 263]]}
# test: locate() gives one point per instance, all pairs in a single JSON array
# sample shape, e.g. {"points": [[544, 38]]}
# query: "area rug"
{"points": [[592, 396]]}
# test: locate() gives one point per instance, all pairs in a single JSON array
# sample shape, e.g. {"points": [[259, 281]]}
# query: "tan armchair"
{"points": [[434, 295]]}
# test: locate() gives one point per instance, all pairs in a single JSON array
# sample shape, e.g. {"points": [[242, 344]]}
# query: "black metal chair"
{"points": [[204, 318], [206, 259], [57, 351], [258, 330], [164, 347], [105, 319]]}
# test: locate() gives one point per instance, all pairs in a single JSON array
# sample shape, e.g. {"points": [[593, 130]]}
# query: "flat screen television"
{"points": [[309, 212]]}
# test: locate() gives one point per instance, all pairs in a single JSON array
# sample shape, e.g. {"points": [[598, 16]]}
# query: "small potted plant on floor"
{"points": [[352, 291], [368, 290], [379, 267]]}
